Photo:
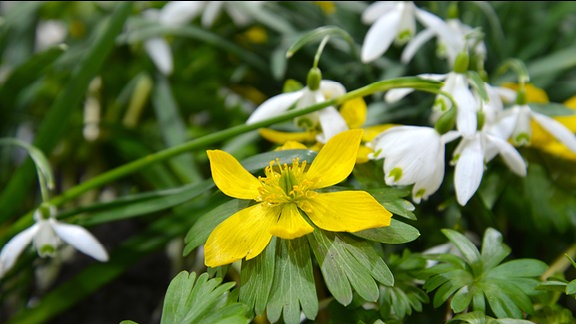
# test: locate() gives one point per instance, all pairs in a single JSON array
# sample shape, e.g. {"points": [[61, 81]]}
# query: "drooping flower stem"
{"points": [[210, 139]]}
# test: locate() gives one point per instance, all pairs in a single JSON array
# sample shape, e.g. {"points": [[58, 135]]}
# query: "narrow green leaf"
{"points": [[499, 295], [293, 288], [478, 84], [552, 109], [173, 130], [53, 126], [556, 62], [397, 233], [27, 73], [318, 34], [206, 223], [256, 278], [469, 251], [138, 205]]}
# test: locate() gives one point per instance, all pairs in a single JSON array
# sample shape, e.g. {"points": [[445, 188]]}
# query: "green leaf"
{"points": [[128, 322], [293, 288], [469, 251], [552, 109], [256, 278], [342, 256], [471, 318], [317, 34], [27, 73], [391, 199], [397, 233], [461, 299], [138, 205], [204, 300], [478, 84], [493, 250], [199, 232], [571, 287], [518, 268], [54, 123], [173, 130]]}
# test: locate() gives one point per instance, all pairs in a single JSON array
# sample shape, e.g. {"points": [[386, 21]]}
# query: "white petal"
{"points": [[466, 121], [509, 154], [397, 94], [469, 170], [178, 13], [448, 36], [554, 127], [211, 12], [46, 237], [380, 36], [274, 106], [414, 45], [332, 89], [160, 53], [14, 248], [331, 122], [81, 239], [377, 9]]}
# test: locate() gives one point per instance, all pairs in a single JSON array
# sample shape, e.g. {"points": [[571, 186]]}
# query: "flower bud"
{"points": [[314, 78]]}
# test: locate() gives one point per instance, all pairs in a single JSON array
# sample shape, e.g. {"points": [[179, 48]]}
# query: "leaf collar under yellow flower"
{"points": [[287, 201]]}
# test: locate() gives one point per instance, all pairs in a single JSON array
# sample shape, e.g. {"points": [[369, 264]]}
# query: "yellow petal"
{"points": [[372, 131], [346, 211], [244, 234], [336, 159], [291, 145], [279, 137], [363, 152], [354, 112], [533, 93], [231, 177], [291, 224]]}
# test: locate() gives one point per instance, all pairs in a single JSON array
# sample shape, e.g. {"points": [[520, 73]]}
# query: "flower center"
{"points": [[285, 183]]}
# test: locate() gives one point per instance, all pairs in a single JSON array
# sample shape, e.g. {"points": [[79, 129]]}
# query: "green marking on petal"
{"points": [[396, 173], [305, 122], [440, 104], [420, 193], [404, 36], [522, 139], [47, 250]]}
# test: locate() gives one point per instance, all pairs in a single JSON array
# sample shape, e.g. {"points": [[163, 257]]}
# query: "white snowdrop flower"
{"points": [[329, 119], [393, 21], [46, 235], [413, 155], [470, 157]]}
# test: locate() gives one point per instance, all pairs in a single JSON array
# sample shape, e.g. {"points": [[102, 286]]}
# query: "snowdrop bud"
{"points": [[314, 78], [462, 62], [446, 121], [480, 119], [521, 96]]}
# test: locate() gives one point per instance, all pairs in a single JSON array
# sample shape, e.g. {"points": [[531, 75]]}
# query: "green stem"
{"points": [[131, 167], [561, 263], [320, 50]]}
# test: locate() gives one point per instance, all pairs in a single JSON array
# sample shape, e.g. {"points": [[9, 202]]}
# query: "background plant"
{"points": [[127, 146]]}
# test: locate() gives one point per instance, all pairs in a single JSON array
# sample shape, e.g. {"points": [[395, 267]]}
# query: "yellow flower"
{"points": [[287, 201]]}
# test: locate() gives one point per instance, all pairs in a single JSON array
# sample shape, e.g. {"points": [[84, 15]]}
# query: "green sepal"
{"points": [[256, 278], [346, 263], [397, 233], [293, 289], [447, 121], [201, 301]]}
